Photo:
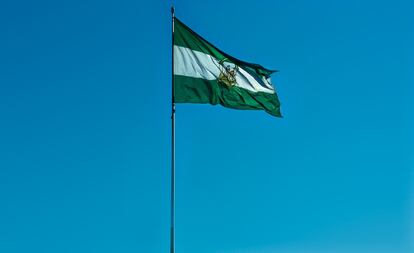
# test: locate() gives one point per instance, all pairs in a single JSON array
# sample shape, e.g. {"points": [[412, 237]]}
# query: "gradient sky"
{"points": [[85, 129]]}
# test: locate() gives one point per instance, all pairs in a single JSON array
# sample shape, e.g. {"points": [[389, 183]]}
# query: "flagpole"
{"points": [[172, 232]]}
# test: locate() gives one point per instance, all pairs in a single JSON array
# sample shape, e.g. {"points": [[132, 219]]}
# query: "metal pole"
{"points": [[172, 239]]}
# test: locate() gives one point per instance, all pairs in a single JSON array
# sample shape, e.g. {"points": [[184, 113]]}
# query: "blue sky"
{"points": [[85, 130]]}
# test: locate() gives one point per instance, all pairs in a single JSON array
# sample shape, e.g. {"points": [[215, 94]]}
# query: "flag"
{"points": [[205, 74]]}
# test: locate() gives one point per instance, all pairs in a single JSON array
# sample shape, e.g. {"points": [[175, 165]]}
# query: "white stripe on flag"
{"points": [[201, 65]]}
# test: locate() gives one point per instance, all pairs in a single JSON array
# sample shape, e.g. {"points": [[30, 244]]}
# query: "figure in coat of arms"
{"points": [[228, 71]]}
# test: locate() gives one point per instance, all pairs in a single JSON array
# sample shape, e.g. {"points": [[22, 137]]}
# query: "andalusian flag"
{"points": [[205, 74]]}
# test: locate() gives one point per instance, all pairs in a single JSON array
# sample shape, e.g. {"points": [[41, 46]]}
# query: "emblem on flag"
{"points": [[228, 71]]}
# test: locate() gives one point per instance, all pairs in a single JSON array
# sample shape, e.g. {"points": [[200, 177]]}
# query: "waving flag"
{"points": [[205, 74]]}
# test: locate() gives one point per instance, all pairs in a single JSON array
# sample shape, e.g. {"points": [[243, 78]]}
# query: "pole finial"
{"points": [[172, 9]]}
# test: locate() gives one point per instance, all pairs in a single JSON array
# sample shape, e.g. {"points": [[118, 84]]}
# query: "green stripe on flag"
{"points": [[185, 37], [198, 90]]}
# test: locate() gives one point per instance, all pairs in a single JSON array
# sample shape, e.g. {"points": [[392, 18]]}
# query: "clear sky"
{"points": [[85, 129]]}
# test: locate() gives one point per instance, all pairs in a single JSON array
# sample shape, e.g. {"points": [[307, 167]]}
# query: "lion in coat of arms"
{"points": [[228, 71]]}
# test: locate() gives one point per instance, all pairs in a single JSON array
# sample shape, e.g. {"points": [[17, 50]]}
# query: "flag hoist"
{"points": [[202, 73]]}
